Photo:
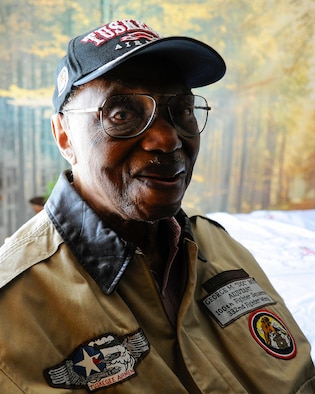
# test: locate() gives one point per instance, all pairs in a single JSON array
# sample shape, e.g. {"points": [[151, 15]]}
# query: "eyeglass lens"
{"points": [[125, 116]]}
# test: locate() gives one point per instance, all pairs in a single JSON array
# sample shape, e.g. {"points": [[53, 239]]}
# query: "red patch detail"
{"points": [[270, 332]]}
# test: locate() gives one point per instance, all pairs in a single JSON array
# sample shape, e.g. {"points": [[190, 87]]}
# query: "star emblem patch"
{"points": [[101, 362]]}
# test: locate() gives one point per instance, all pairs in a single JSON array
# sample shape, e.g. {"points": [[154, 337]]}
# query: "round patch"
{"points": [[271, 334], [62, 80]]}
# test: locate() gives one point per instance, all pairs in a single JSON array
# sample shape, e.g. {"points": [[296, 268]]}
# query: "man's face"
{"points": [[142, 178]]}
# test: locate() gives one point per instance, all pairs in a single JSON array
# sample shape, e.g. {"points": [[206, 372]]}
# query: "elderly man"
{"points": [[113, 287]]}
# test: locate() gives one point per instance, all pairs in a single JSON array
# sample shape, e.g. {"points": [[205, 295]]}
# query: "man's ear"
{"points": [[61, 135]]}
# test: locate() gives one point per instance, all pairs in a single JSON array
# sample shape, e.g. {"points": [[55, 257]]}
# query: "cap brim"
{"points": [[200, 64]]}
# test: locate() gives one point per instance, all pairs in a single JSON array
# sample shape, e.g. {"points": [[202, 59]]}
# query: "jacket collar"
{"points": [[102, 253]]}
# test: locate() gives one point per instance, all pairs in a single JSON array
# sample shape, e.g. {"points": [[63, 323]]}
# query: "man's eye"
{"points": [[188, 110], [183, 111], [119, 116], [122, 114]]}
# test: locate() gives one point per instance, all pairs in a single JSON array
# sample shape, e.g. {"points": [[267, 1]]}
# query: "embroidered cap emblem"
{"points": [[272, 335], [101, 362], [141, 34], [62, 80]]}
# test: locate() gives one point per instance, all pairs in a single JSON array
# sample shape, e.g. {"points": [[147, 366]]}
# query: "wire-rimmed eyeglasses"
{"points": [[129, 115]]}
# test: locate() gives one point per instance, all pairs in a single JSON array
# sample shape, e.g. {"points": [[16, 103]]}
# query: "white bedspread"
{"points": [[283, 243]]}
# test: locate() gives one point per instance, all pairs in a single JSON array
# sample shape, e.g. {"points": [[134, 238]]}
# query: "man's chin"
{"points": [[155, 213]]}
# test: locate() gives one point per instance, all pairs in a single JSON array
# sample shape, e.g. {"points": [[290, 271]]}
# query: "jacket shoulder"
{"points": [[193, 214], [32, 243]]}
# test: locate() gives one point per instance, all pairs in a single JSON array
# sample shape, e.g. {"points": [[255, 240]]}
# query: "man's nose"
{"points": [[162, 134]]}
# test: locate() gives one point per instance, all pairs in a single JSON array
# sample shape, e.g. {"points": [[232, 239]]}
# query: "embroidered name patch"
{"points": [[232, 294], [271, 334], [101, 362]]}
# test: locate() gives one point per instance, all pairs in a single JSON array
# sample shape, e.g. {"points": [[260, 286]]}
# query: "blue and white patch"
{"points": [[101, 362], [62, 80]]}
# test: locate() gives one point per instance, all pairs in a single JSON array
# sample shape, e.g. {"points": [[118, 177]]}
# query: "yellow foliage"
{"points": [[28, 97]]}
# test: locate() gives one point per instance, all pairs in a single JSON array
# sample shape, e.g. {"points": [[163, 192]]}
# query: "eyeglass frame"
{"points": [[148, 124]]}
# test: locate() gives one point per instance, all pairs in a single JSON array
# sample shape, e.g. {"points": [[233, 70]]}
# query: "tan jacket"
{"points": [[58, 326]]}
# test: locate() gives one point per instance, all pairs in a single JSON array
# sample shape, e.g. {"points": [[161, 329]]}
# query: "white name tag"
{"points": [[232, 300]]}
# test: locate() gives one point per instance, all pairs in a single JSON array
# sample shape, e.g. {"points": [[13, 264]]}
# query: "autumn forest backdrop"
{"points": [[258, 151]]}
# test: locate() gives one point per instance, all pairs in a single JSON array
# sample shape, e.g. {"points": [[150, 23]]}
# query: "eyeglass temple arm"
{"points": [[85, 110], [200, 107]]}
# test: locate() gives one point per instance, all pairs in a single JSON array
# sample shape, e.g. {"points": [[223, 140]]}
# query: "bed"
{"points": [[283, 243]]}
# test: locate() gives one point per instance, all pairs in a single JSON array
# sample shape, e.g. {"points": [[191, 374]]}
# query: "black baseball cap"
{"points": [[102, 49]]}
